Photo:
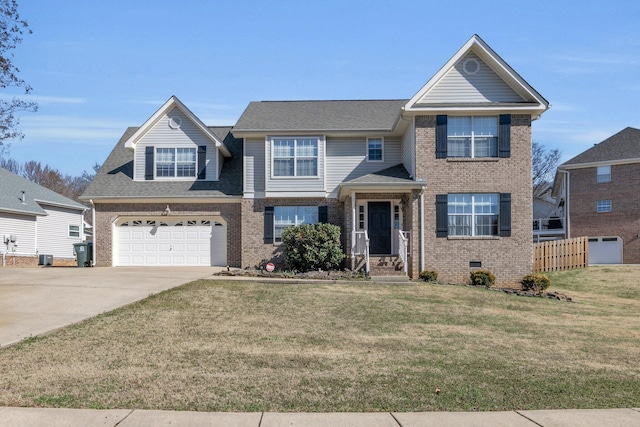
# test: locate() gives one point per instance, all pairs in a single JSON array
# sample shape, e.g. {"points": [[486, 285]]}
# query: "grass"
{"points": [[247, 346]]}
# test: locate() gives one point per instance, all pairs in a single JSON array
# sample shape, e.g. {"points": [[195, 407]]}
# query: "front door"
{"points": [[379, 217]]}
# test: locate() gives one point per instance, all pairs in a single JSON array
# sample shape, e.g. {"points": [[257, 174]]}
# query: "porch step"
{"points": [[386, 266], [390, 279]]}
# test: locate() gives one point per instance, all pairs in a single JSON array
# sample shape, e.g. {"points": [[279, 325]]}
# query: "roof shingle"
{"points": [[623, 145]]}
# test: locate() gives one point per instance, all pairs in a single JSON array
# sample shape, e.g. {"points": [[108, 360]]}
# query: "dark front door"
{"points": [[379, 230]]}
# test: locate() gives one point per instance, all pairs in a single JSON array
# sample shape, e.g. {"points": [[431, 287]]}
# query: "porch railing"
{"points": [[361, 246], [548, 228], [403, 248]]}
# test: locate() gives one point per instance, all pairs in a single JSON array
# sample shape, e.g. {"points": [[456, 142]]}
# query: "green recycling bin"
{"points": [[83, 251]]}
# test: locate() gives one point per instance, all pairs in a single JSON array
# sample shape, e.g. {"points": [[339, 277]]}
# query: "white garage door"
{"points": [[605, 250], [176, 242]]}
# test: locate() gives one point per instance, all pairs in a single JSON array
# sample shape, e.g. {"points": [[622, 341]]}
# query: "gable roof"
{"points": [[12, 186], [114, 180], [172, 103], [623, 146], [320, 116], [506, 88]]}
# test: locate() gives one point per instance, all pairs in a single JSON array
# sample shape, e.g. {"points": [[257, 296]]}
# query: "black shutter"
{"points": [[202, 162], [268, 224], [442, 215], [504, 136], [505, 214], [148, 163], [441, 137], [323, 216]]}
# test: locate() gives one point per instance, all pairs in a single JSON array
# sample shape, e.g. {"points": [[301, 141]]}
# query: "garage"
{"points": [[175, 242], [605, 250]]}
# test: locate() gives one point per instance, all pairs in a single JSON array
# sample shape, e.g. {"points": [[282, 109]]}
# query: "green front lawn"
{"points": [[247, 346]]}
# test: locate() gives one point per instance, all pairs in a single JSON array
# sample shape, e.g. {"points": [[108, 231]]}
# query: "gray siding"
{"points": [[408, 150], [53, 231], [347, 159], [254, 166], [458, 86], [24, 227], [296, 185], [188, 135]]}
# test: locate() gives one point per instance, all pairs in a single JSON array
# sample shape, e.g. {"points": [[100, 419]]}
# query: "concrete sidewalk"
{"points": [[28, 417]]}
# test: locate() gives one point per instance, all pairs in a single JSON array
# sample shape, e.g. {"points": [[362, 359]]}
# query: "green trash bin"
{"points": [[82, 253]]}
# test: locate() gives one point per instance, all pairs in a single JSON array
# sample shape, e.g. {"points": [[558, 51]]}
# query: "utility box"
{"points": [[45, 259]]}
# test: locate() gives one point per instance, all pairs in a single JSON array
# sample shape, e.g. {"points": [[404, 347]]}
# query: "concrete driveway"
{"points": [[34, 301]]}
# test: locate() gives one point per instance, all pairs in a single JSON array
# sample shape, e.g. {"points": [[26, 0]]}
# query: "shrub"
{"points": [[428, 275], [311, 247], [482, 278], [535, 282]]}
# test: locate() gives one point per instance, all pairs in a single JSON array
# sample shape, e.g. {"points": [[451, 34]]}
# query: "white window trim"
{"points": [[602, 178], [278, 240], [381, 139], [175, 166], [295, 176], [473, 147], [473, 216], [69, 231], [603, 206]]}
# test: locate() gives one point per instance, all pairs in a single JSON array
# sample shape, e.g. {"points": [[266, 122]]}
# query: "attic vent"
{"points": [[175, 122], [471, 66]]}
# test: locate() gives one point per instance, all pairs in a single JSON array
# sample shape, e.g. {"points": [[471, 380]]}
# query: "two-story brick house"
{"points": [[598, 193], [439, 181]]}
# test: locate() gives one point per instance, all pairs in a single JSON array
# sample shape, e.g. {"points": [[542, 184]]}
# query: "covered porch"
{"points": [[381, 221]]}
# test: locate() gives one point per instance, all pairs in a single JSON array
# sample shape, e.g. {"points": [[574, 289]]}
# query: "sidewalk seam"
{"points": [[394, 417], [125, 417], [261, 416], [525, 417]]}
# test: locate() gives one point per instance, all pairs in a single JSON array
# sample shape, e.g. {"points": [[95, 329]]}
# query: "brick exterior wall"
{"points": [[509, 258], [32, 261], [256, 253], [624, 218], [107, 213]]}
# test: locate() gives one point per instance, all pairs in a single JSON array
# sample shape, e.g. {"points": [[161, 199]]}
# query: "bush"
{"points": [[428, 275], [535, 282], [311, 247], [482, 278]]}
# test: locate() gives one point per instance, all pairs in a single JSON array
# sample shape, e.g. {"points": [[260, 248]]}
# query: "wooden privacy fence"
{"points": [[561, 254]]}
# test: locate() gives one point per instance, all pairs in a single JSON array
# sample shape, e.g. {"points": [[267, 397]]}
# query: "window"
{"points": [[375, 149], [176, 162], [361, 217], [604, 205], [472, 137], [286, 216], [74, 230], [604, 174], [295, 157], [472, 214]]}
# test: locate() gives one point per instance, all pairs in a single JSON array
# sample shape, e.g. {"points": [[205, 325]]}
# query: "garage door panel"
{"points": [[164, 242], [605, 250]]}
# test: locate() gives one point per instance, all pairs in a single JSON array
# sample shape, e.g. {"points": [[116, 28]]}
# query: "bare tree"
{"points": [[12, 28], [545, 163]]}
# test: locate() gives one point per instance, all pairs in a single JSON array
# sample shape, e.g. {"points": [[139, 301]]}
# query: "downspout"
{"points": [[567, 216], [93, 224], [353, 224], [422, 230]]}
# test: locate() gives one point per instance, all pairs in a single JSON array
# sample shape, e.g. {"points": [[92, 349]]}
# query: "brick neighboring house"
{"points": [[439, 181], [598, 191]]}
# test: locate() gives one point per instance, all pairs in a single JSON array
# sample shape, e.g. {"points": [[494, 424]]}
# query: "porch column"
{"points": [[353, 223]]}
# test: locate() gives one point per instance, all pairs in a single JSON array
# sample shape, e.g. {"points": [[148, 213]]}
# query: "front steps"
{"points": [[383, 269]]}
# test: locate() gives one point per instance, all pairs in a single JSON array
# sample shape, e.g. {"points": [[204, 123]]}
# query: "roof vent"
{"points": [[24, 198]]}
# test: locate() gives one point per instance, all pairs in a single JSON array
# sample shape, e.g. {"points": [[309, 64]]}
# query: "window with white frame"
{"points": [[473, 214], [604, 174], [74, 230], [287, 216], [604, 206], [472, 136], [175, 162], [375, 149], [295, 157]]}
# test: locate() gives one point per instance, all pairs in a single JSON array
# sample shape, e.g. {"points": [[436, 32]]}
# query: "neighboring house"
{"points": [[440, 181], [547, 218], [598, 192], [36, 221]]}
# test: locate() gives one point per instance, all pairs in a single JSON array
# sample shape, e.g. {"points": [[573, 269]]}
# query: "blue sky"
{"points": [[97, 67]]}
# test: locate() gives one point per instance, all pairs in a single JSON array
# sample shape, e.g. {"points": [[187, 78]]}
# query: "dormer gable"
{"points": [[477, 79], [174, 144]]}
